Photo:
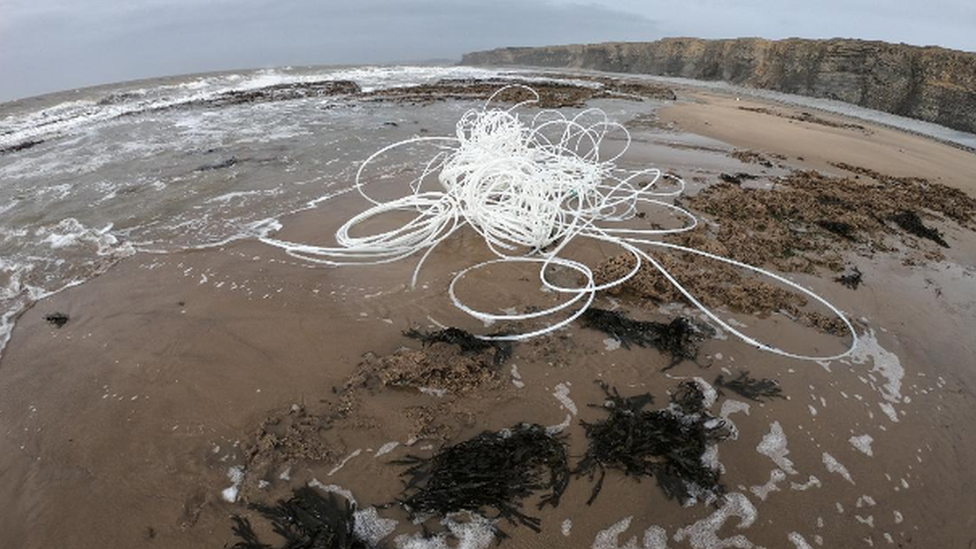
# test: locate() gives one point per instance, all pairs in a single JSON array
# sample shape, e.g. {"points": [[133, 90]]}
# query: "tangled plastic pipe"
{"points": [[524, 193]]}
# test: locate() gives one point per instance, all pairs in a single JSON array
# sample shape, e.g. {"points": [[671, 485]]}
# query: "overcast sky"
{"points": [[49, 45]]}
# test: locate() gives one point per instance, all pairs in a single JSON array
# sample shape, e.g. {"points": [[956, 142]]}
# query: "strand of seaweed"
{"points": [[750, 387], [306, 520], [668, 444], [494, 470], [529, 194], [679, 338]]}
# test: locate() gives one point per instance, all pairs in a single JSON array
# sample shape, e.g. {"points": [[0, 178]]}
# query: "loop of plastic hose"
{"points": [[526, 188]]}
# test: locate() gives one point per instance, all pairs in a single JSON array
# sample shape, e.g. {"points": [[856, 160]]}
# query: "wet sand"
{"points": [[781, 130], [120, 428]]}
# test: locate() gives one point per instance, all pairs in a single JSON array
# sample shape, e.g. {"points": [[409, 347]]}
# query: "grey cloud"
{"points": [[947, 23]]}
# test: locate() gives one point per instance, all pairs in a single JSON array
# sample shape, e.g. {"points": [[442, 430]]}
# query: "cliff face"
{"points": [[932, 84]]}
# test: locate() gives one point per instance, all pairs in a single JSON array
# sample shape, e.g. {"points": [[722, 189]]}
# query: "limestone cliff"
{"points": [[926, 83]]}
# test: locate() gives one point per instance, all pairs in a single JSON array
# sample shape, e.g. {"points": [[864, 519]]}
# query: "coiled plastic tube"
{"points": [[527, 188]]}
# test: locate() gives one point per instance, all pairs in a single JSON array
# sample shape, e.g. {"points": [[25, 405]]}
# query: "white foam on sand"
{"points": [[465, 531], [332, 488], [708, 392], [439, 393], [704, 533], [609, 538], [889, 411], [812, 482], [798, 541], [835, 466], [865, 501], [868, 520], [516, 377], [887, 365], [710, 460], [762, 491], [710, 457], [344, 462], [562, 395], [611, 344], [773, 446], [370, 527], [862, 443], [655, 537], [386, 448], [732, 406], [236, 476], [558, 428]]}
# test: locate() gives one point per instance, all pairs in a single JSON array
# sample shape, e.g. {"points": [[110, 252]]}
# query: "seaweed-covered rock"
{"points": [[552, 94], [278, 92]]}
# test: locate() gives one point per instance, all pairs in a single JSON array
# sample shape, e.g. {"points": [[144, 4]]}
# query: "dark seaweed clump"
{"points": [[468, 342], [20, 146], [839, 228], [750, 387], [679, 338], [736, 179], [494, 470], [219, 165], [910, 221], [307, 520], [57, 319], [852, 279], [667, 444]]}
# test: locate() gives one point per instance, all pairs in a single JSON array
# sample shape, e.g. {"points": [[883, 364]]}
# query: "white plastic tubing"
{"points": [[529, 195]]}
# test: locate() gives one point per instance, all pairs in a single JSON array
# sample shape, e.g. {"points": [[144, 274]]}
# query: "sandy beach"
{"points": [[185, 385]]}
